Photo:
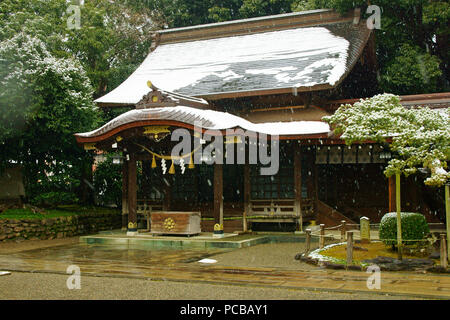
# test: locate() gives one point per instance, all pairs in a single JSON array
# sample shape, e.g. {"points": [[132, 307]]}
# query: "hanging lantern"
{"points": [[154, 162], [117, 159], [172, 169]]}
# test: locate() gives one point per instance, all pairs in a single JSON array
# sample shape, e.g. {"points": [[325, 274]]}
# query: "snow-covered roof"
{"points": [[210, 120], [306, 57]]}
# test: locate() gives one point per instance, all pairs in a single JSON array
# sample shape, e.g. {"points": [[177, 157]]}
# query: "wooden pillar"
{"points": [[343, 230], [444, 258], [218, 194], [132, 195], [349, 248], [392, 194], [247, 196], [447, 216], [124, 195], [399, 218], [322, 236], [315, 182], [298, 184], [308, 241]]}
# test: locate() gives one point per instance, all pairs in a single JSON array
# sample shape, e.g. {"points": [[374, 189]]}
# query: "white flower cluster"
{"points": [[420, 136], [24, 59]]}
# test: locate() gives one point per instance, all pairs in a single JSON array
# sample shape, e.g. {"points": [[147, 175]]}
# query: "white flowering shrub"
{"points": [[419, 136], [34, 83], [44, 100]]}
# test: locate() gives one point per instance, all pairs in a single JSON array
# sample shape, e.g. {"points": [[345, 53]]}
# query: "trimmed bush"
{"points": [[53, 199], [414, 227]]}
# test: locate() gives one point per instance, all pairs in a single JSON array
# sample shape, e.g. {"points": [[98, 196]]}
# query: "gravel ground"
{"points": [[45, 286], [275, 255], [28, 286]]}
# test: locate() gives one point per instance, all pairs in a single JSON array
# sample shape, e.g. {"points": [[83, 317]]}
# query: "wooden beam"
{"points": [[298, 184], [218, 194], [132, 194]]}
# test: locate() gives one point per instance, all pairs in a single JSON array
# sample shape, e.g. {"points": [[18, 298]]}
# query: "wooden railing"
{"points": [[329, 215], [279, 210]]}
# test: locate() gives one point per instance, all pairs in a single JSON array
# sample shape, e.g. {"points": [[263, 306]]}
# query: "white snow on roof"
{"points": [[212, 120], [299, 57]]}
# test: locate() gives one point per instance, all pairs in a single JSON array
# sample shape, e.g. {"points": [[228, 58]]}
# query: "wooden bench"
{"points": [[145, 207], [280, 210]]}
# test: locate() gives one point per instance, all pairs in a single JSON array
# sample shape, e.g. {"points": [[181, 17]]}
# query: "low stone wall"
{"points": [[51, 228]]}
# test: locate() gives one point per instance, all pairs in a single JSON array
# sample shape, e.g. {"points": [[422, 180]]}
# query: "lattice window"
{"points": [[184, 186], [278, 186]]}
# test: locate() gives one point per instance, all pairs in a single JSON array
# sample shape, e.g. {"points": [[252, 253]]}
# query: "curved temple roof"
{"points": [[305, 58], [209, 119]]}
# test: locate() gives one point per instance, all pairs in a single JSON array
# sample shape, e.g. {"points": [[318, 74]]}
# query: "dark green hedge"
{"points": [[414, 227]]}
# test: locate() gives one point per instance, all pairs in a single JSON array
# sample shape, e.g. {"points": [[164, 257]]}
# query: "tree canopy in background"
{"points": [[50, 73]]}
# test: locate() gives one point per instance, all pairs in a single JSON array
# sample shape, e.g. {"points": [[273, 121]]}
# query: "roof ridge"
{"points": [[249, 26], [237, 21]]}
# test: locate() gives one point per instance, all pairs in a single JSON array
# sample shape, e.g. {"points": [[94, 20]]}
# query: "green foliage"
{"points": [[182, 13], [60, 211], [412, 70], [53, 199], [257, 8], [419, 136], [414, 227], [108, 182], [112, 42], [46, 99]]}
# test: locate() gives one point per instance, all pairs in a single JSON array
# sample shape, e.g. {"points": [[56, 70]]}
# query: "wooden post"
{"points": [[308, 241], [218, 195], [343, 229], [298, 184], [447, 215], [132, 195], [444, 257], [349, 248], [399, 217], [124, 195], [391, 194], [247, 196], [322, 236]]}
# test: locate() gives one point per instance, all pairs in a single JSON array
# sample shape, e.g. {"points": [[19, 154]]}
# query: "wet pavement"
{"points": [[181, 265]]}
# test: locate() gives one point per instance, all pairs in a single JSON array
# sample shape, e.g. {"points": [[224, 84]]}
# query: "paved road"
{"points": [[29, 286]]}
